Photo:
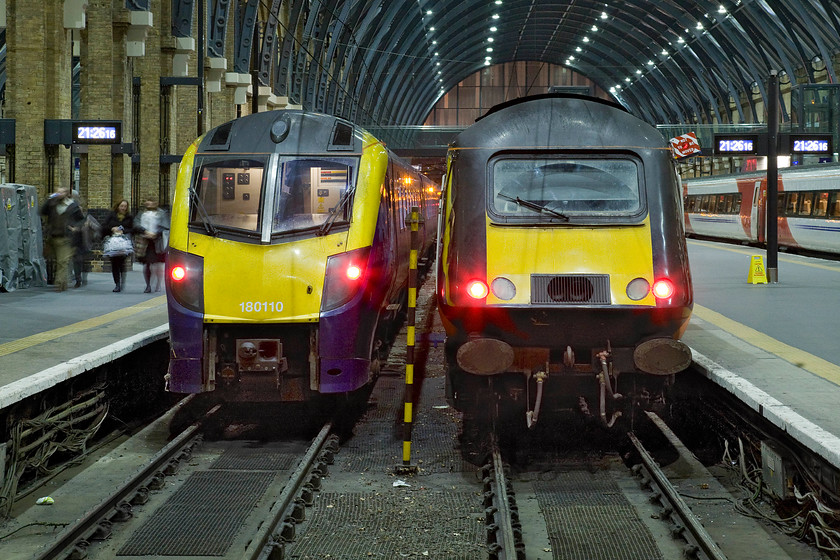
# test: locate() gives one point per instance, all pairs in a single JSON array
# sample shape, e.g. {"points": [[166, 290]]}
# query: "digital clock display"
{"points": [[736, 145], [732, 145], [97, 132], [811, 144]]}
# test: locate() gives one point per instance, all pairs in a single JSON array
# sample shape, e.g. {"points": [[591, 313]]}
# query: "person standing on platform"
{"points": [[119, 225], [153, 222], [64, 218], [80, 239]]}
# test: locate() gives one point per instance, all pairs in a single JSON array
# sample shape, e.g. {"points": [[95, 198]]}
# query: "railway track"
{"points": [[111, 527], [504, 527], [683, 521], [98, 523]]}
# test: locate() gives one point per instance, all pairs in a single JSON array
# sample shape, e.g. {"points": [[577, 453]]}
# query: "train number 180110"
{"points": [[260, 306]]}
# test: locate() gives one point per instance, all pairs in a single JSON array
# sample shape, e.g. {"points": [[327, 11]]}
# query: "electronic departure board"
{"points": [[97, 132]]}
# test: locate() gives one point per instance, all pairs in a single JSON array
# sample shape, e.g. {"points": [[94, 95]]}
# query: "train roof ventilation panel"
{"points": [[221, 137], [342, 136]]}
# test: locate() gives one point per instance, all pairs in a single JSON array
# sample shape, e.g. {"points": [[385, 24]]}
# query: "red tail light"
{"points": [[185, 279], [354, 272], [345, 276], [663, 289], [477, 289]]}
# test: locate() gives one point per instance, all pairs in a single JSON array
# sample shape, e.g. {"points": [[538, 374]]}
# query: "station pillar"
{"points": [[38, 87]]}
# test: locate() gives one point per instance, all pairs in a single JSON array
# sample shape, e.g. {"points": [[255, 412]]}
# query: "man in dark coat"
{"points": [[64, 218]]}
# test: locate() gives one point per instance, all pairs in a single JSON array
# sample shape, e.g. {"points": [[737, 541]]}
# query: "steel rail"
{"points": [[267, 544], [77, 534], [499, 511], [696, 534]]}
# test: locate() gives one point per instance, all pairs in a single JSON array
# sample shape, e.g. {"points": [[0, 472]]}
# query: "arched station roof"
{"points": [[667, 61], [387, 62]]}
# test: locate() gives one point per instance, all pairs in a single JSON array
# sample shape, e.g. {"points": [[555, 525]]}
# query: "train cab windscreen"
{"points": [[543, 189], [238, 195], [227, 193], [312, 191]]}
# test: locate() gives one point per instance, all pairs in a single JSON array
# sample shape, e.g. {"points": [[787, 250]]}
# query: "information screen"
{"points": [[745, 144], [811, 144], [97, 132]]}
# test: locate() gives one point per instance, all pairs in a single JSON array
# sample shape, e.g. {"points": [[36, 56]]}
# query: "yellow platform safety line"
{"points": [[757, 274], [35, 339], [800, 358]]}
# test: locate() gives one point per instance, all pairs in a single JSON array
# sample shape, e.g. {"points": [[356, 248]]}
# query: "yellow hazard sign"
{"points": [[758, 274]]}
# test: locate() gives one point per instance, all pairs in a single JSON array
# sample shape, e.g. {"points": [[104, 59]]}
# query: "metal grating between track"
{"points": [[434, 438], [226, 494], [588, 518], [394, 525]]}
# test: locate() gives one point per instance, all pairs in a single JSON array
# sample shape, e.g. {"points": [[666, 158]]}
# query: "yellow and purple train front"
{"points": [[288, 256]]}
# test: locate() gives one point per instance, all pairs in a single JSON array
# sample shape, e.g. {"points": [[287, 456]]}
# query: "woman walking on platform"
{"points": [[119, 225], [154, 223]]}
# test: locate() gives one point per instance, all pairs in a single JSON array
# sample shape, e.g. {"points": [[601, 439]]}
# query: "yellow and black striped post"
{"points": [[408, 415]]}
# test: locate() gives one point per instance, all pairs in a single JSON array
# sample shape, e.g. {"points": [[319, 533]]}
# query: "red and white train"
{"points": [[735, 207]]}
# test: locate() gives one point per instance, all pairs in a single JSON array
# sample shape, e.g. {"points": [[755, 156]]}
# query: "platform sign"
{"points": [[736, 144], [817, 144], [757, 274], [685, 145], [97, 132]]}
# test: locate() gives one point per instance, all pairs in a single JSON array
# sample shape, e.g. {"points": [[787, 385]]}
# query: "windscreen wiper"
{"points": [[535, 207], [328, 223], [202, 212]]}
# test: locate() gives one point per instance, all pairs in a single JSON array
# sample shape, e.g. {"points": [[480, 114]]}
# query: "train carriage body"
{"points": [[734, 207], [561, 254], [288, 256]]}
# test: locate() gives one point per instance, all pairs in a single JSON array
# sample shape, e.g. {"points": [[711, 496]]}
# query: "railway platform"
{"points": [[47, 337], [772, 345]]}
